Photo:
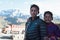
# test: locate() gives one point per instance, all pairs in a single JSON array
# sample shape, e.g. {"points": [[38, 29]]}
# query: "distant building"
{"points": [[13, 29]]}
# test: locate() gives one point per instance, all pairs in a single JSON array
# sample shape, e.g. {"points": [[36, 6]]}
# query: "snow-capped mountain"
{"points": [[13, 13], [13, 16]]}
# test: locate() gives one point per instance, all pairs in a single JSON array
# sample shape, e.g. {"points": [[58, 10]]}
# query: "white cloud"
{"points": [[1, 2], [49, 5], [24, 6]]}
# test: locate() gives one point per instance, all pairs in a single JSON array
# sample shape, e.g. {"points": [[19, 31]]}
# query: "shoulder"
{"points": [[54, 24], [29, 19], [41, 21]]}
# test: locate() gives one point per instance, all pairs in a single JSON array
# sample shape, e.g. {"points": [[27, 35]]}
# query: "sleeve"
{"points": [[43, 29], [57, 31], [25, 36]]}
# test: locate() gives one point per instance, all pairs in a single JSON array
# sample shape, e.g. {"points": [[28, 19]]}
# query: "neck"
{"points": [[34, 17]]}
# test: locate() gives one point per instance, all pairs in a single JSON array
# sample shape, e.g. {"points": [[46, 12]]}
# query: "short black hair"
{"points": [[34, 5], [48, 12]]}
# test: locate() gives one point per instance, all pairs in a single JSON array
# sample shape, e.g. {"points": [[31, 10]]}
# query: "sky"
{"points": [[24, 5]]}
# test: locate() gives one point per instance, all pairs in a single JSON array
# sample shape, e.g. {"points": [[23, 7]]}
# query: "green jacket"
{"points": [[35, 29]]}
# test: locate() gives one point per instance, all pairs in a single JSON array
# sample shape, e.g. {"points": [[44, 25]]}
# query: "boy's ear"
{"points": [[52, 18], [38, 11]]}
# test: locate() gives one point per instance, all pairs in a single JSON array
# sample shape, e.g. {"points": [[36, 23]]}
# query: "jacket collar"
{"points": [[34, 18]]}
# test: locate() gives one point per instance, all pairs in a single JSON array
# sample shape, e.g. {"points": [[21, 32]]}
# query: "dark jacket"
{"points": [[53, 30], [35, 29]]}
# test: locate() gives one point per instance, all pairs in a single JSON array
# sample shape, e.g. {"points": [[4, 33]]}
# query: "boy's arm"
{"points": [[43, 30], [57, 32]]}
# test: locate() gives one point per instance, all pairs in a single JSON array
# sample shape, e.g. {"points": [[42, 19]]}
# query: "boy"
{"points": [[35, 27], [52, 29]]}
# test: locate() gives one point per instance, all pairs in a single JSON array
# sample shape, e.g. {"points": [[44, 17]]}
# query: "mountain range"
{"points": [[14, 15]]}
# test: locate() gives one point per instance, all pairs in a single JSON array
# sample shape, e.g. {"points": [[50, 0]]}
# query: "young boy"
{"points": [[52, 29], [35, 27]]}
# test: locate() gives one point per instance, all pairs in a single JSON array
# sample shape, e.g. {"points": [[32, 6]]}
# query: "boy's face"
{"points": [[47, 18], [33, 12]]}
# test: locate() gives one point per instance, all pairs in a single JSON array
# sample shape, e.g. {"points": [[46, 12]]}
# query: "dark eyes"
{"points": [[48, 16], [34, 10]]}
